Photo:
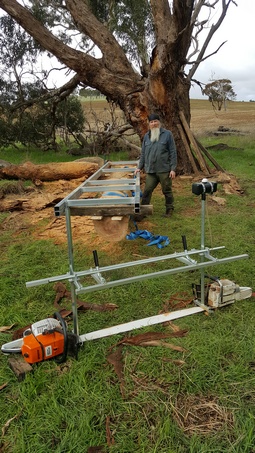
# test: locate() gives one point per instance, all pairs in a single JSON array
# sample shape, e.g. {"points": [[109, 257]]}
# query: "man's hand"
{"points": [[137, 170], [172, 174]]}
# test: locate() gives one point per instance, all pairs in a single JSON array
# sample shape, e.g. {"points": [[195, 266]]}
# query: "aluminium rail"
{"points": [[73, 205], [98, 183], [189, 264]]}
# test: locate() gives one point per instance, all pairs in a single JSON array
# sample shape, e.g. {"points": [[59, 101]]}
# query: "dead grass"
{"points": [[239, 116], [197, 414], [16, 187], [204, 119]]}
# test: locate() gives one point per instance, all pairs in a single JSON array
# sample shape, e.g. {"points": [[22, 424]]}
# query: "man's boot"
{"points": [[169, 213]]}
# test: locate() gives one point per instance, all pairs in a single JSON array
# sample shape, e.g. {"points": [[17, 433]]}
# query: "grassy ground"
{"points": [[197, 399]]}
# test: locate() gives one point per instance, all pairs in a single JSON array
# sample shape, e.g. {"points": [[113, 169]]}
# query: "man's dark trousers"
{"points": [[152, 180]]}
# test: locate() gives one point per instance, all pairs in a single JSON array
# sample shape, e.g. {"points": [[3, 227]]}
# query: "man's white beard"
{"points": [[155, 134]]}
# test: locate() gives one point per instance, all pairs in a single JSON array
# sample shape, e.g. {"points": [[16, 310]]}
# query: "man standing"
{"points": [[159, 160]]}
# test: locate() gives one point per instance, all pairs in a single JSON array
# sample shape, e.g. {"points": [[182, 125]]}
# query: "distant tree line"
{"points": [[89, 92]]}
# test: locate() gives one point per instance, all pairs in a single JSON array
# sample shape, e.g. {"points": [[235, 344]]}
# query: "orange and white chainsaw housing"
{"points": [[43, 341]]}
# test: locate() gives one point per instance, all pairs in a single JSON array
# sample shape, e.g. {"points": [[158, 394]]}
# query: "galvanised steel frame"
{"points": [[73, 205]]}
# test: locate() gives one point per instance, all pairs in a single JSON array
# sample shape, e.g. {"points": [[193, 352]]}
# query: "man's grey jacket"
{"points": [[159, 156]]}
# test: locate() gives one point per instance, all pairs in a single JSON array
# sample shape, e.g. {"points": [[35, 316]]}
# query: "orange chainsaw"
{"points": [[45, 339]]}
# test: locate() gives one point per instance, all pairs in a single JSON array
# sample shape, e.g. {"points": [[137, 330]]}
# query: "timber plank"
{"points": [[20, 367]]}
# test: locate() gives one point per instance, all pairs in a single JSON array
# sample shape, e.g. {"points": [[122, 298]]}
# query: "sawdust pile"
{"points": [[36, 212], [33, 209]]}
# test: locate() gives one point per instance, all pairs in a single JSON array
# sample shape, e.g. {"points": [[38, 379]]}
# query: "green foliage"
{"points": [[101, 9], [70, 408], [15, 44], [38, 125], [26, 116], [69, 114], [134, 26], [131, 22]]}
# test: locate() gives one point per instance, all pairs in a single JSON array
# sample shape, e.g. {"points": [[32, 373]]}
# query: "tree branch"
{"points": [[40, 33], [114, 77], [209, 55], [100, 35], [162, 20], [213, 29], [60, 93]]}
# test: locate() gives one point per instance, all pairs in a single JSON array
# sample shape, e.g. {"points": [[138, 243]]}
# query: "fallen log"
{"points": [[49, 172]]}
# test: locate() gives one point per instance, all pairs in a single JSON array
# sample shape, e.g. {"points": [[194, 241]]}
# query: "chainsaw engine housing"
{"points": [[44, 340], [225, 292], [221, 292]]}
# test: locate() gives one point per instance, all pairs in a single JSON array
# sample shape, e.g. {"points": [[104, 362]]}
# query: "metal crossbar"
{"points": [[73, 205], [190, 265], [98, 183]]}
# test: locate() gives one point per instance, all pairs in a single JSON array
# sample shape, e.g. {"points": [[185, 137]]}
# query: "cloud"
{"points": [[236, 59]]}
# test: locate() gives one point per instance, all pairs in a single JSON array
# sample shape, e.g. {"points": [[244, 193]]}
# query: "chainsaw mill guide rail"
{"points": [[194, 259], [100, 183]]}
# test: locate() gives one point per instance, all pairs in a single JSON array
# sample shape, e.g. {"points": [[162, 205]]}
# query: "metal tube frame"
{"points": [[202, 272], [186, 257]]}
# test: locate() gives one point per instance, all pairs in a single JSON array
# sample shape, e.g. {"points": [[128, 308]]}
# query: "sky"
{"points": [[236, 59]]}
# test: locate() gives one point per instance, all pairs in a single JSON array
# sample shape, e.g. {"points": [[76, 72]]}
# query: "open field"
{"points": [[204, 119], [238, 115]]}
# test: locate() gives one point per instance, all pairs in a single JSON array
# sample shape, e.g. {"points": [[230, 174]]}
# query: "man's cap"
{"points": [[153, 116]]}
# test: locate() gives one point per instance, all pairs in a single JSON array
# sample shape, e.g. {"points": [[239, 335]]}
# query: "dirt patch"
{"points": [[34, 211], [37, 209], [36, 214]]}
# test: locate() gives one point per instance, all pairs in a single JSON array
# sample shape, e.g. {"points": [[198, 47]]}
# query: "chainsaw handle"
{"points": [[184, 243], [63, 325], [214, 279], [95, 258]]}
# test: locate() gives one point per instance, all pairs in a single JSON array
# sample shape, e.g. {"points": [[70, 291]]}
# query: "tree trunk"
{"points": [[162, 87], [167, 94]]}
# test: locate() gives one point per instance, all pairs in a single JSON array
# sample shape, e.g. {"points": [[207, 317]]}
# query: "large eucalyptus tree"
{"points": [[141, 54]]}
